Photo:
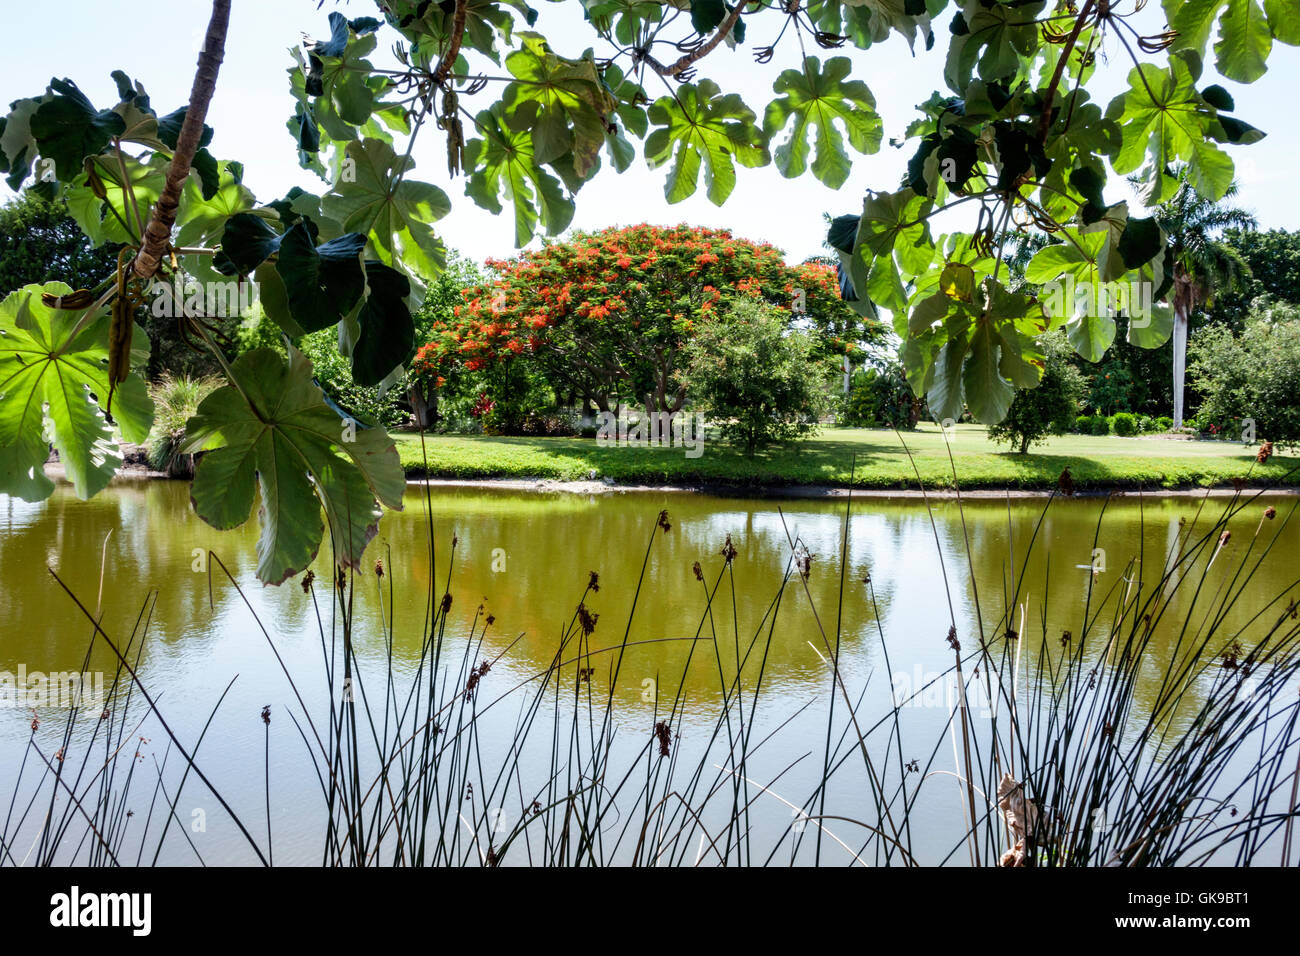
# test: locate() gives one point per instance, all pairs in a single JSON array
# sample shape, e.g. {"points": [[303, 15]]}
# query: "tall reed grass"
{"points": [[1070, 766]]}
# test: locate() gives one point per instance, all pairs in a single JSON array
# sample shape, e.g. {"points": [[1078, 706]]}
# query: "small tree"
{"points": [[1048, 409], [758, 379]]}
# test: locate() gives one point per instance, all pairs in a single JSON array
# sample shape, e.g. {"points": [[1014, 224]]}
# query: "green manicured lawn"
{"points": [[1094, 462]]}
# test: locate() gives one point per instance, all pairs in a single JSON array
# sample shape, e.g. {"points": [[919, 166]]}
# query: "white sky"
{"points": [[87, 39]]}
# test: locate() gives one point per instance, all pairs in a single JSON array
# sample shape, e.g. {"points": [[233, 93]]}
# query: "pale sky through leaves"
{"points": [[157, 44]]}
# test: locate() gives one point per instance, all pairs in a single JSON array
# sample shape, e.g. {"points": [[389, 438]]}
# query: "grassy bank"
{"points": [[882, 462]]}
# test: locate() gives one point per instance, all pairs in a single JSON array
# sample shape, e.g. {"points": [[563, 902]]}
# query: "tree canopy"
{"points": [[607, 314]]}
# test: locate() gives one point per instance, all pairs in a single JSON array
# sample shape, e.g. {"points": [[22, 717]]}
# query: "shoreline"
{"points": [[134, 472], [548, 485]]}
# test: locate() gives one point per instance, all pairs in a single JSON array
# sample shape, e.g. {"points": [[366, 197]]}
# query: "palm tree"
{"points": [[1203, 265]]}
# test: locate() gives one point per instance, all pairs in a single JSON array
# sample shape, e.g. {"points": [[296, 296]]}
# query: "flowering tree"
{"points": [[606, 314]]}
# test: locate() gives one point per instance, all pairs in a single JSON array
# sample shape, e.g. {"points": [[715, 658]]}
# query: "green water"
{"points": [[137, 554]]}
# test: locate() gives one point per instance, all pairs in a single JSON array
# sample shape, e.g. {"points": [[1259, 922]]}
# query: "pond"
{"points": [[138, 554]]}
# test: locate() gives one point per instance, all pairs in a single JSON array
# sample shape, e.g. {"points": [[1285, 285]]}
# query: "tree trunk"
{"points": [[1180, 359], [157, 235]]}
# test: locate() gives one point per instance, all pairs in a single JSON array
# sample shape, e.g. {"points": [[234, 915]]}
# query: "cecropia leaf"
{"points": [[271, 432], [54, 377]]}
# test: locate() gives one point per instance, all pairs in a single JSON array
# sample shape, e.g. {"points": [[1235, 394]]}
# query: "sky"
{"points": [[157, 44]]}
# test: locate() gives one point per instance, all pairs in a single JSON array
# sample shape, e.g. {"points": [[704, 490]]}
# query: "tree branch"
{"points": [[683, 62], [453, 50], [1066, 50], [158, 234]]}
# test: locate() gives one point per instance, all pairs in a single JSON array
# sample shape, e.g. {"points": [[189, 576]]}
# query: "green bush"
{"points": [[1125, 424], [334, 375], [881, 397], [1049, 408], [1164, 423], [176, 398], [1146, 424], [757, 378], [1255, 375], [1092, 425]]}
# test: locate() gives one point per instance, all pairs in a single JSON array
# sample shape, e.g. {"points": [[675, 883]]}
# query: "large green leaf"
{"points": [[117, 216], [68, 128], [988, 395], [503, 162], [1165, 120], [563, 102], [816, 101], [699, 127], [998, 38], [272, 432], [322, 283], [397, 219], [201, 222], [387, 339], [1244, 41], [1246, 31], [51, 378]]}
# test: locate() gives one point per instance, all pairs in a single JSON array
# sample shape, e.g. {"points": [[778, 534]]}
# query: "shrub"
{"points": [[881, 397], [1048, 409], [758, 379], [334, 375], [562, 423], [1164, 423], [1146, 424], [1252, 376], [1100, 425], [1125, 424], [176, 398]]}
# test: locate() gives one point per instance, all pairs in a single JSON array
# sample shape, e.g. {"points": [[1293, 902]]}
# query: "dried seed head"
{"points": [[665, 736], [476, 675]]}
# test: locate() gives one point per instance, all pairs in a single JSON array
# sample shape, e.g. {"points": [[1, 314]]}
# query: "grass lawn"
{"points": [[1094, 462]]}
